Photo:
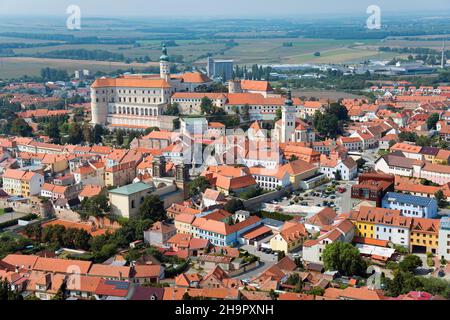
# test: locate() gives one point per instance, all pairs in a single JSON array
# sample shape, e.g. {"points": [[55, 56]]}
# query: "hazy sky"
{"points": [[205, 8]]}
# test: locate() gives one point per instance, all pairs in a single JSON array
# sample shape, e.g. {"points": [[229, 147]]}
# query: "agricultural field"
{"points": [[248, 51], [279, 42], [16, 67]]}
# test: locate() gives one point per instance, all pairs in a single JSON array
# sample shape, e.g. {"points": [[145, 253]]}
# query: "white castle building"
{"points": [[137, 102]]}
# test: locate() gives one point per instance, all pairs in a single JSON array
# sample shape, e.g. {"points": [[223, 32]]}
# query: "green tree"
{"points": [[206, 106], [278, 114], [424, 141], [150, 130], [88, 135], [410, 263], [173, 109], [96, 206], [198, 186], [246, 112], [75, 133], [97, 133], [432, 120], [273, 295], [7, 293], [317, 291], [152, 208], [327, 124], [119, 137], [407, 136], [52, 130], [440, 198], [338, 176], [339, 110], [345, 258], [21, 128], [234, 205]]}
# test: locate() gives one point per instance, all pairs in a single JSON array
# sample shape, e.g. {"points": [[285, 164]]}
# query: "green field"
{"points": [[16, 67], [258, 42], [248, 52]]}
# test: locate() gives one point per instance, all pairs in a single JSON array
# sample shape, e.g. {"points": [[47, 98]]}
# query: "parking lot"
{"points": [[265, 257], [326, 195]]}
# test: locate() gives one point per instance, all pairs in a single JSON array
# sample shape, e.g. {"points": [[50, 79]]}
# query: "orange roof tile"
{"points": [[132, 82]]}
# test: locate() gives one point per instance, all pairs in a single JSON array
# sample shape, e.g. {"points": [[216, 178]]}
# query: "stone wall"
{"points": [[255, 203]]}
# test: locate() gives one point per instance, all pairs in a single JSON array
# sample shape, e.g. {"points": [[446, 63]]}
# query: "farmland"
{"points": [[44, 43]]}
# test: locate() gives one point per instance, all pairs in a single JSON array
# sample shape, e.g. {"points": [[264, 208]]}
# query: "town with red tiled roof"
{"points": [[213, 167]]}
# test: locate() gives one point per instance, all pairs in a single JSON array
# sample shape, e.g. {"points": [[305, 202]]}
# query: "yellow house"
{"points": [[183, 223], [425, 235], [22, 183], [365, 221], [57, 163], [364, 229], [298, 171], [442, 157], [290, 238]]}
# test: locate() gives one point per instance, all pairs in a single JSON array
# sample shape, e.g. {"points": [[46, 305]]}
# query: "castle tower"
{"points": [[99, 105], [164, 65], [234, 86], [288, 120]]}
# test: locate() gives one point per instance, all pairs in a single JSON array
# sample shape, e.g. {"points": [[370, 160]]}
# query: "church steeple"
{"points": [[288, 119]]}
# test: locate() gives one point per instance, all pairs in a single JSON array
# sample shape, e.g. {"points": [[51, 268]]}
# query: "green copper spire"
{"points": [[164, 56], [288, 100]]}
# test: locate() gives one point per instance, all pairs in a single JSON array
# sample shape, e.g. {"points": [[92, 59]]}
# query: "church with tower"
{"points": [[290, 128]]}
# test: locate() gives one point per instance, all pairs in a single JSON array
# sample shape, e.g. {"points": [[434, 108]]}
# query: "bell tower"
{"points": [[288, 120], [182, 178], [159, 167], [164, 65]]}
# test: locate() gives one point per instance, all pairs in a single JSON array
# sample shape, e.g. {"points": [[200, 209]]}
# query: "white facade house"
{"points": [[271, 179], [347, 168], [22, 183], [396, 234], [343, 231], [263, 158], [411, 206]]}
